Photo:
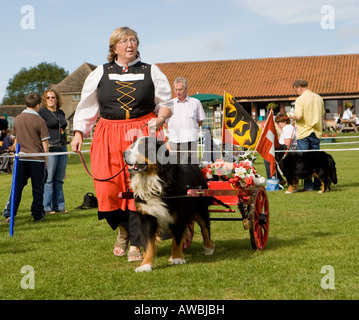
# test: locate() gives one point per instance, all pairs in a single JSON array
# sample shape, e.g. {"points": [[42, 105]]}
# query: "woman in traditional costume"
{"points": [[126, 94]]}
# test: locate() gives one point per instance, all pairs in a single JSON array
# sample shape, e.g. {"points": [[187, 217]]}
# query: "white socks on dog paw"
{"points": [[145, 267], [177, 261], [208, 251], [148, 267]]}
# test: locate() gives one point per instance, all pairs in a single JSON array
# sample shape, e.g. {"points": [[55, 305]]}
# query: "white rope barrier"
{"points": [[344, 137], [352, 149], [336, 143], [29, 155]]}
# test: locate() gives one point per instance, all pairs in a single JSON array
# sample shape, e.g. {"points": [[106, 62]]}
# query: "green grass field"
{"points": [[71, 254]]}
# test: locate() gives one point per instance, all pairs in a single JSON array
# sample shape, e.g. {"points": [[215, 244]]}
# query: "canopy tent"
{"points": [[208, 99]]}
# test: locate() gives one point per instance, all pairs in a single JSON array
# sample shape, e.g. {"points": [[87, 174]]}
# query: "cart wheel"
{"points": [[259, 218]]}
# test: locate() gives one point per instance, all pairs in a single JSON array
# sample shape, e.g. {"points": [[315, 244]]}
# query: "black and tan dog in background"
{"points": [[304, 165], [159, 187]]}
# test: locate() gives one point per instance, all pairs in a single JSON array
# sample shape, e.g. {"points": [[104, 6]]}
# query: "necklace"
{"points": [[55, 115]]}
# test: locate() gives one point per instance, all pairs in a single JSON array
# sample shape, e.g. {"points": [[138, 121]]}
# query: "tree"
{"points": [[35, 79]]}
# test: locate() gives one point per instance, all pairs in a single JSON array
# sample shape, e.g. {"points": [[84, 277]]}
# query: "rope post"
{"points": [[13, 188]]}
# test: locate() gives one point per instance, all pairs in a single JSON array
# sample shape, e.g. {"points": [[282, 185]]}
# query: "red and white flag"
{"points": [[267, 143]]}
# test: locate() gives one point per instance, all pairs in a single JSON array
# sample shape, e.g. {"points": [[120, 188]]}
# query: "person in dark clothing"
{"points": [[3, 126], [54, 198], [31, 134]]}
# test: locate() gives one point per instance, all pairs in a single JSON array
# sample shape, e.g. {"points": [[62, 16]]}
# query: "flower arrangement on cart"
{"points": [[239, 174], [238, 183]]}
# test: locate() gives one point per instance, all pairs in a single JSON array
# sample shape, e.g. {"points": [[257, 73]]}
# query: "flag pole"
{"points": [[223, 110], [260, 137], [13, 188]]}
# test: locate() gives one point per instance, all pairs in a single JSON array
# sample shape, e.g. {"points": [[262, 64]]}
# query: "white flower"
{"points": [[240, 172]]}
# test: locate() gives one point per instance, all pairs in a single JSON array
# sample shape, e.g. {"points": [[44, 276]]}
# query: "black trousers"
{"points": [[127, 219], [36, 171]]}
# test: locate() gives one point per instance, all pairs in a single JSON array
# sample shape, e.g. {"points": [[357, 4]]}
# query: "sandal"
{"points": [[135, 255], [121, 243], [118, 251]]}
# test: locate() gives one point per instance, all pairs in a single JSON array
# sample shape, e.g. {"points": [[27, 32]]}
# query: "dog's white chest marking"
{"points": [[149, 189]]}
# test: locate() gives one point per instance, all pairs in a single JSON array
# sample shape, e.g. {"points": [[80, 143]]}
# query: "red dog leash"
{"points": [[84, 164], [290, 143], [83, 161]]}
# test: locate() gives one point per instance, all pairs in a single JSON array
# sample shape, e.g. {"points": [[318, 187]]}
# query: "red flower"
{"points": [[249, 181]]}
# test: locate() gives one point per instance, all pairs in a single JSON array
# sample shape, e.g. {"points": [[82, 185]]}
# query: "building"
{"points": [[253, 82], [70, 90], [257, 82], [11, 112]]}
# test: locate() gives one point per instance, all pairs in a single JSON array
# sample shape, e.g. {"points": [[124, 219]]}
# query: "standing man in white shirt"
{"points": [[183, 126]]}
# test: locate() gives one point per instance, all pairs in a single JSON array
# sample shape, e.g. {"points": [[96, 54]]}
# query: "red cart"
{"points": [[252, 203]]}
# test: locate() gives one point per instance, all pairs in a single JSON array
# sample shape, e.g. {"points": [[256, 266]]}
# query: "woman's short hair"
{"points": [[116, 36]]}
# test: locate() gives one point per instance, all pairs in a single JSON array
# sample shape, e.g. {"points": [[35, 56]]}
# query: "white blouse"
{"points": [[288, 132], [88, 109]]}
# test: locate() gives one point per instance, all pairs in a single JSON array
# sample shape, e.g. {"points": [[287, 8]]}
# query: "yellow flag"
{"points": [[238, 126]]}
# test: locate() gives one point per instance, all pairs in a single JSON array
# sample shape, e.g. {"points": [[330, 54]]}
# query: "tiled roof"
{"points": [[75, 81], [270, 77], [12, 111]]}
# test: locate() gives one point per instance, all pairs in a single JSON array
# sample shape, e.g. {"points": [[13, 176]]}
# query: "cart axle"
{"points": [[226, 219]]}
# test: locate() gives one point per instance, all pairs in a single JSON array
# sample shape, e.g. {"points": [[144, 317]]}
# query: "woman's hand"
{"points": [[155, 123], [76, 143]]}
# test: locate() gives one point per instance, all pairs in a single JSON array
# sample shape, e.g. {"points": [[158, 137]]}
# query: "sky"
{"points": [[71, 32]]}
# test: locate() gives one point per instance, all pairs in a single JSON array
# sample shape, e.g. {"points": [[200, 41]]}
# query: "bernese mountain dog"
{"points": [[304, 165], [159, 187]]}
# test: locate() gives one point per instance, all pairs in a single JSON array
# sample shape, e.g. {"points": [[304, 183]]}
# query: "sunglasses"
{"points": [[50, 98]]}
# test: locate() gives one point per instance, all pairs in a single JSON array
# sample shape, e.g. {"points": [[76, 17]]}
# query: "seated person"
{"points": [[6, 149], [8, 143], [356, 119]]}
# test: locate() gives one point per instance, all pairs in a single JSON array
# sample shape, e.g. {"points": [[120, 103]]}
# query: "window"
{"points": [[77, 97], [331, 109]]}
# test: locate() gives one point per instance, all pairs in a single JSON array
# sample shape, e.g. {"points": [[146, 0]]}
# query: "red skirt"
{"points": [[111, 138]]}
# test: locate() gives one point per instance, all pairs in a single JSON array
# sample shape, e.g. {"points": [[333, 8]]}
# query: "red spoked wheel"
{"points": [[259, 218]]}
